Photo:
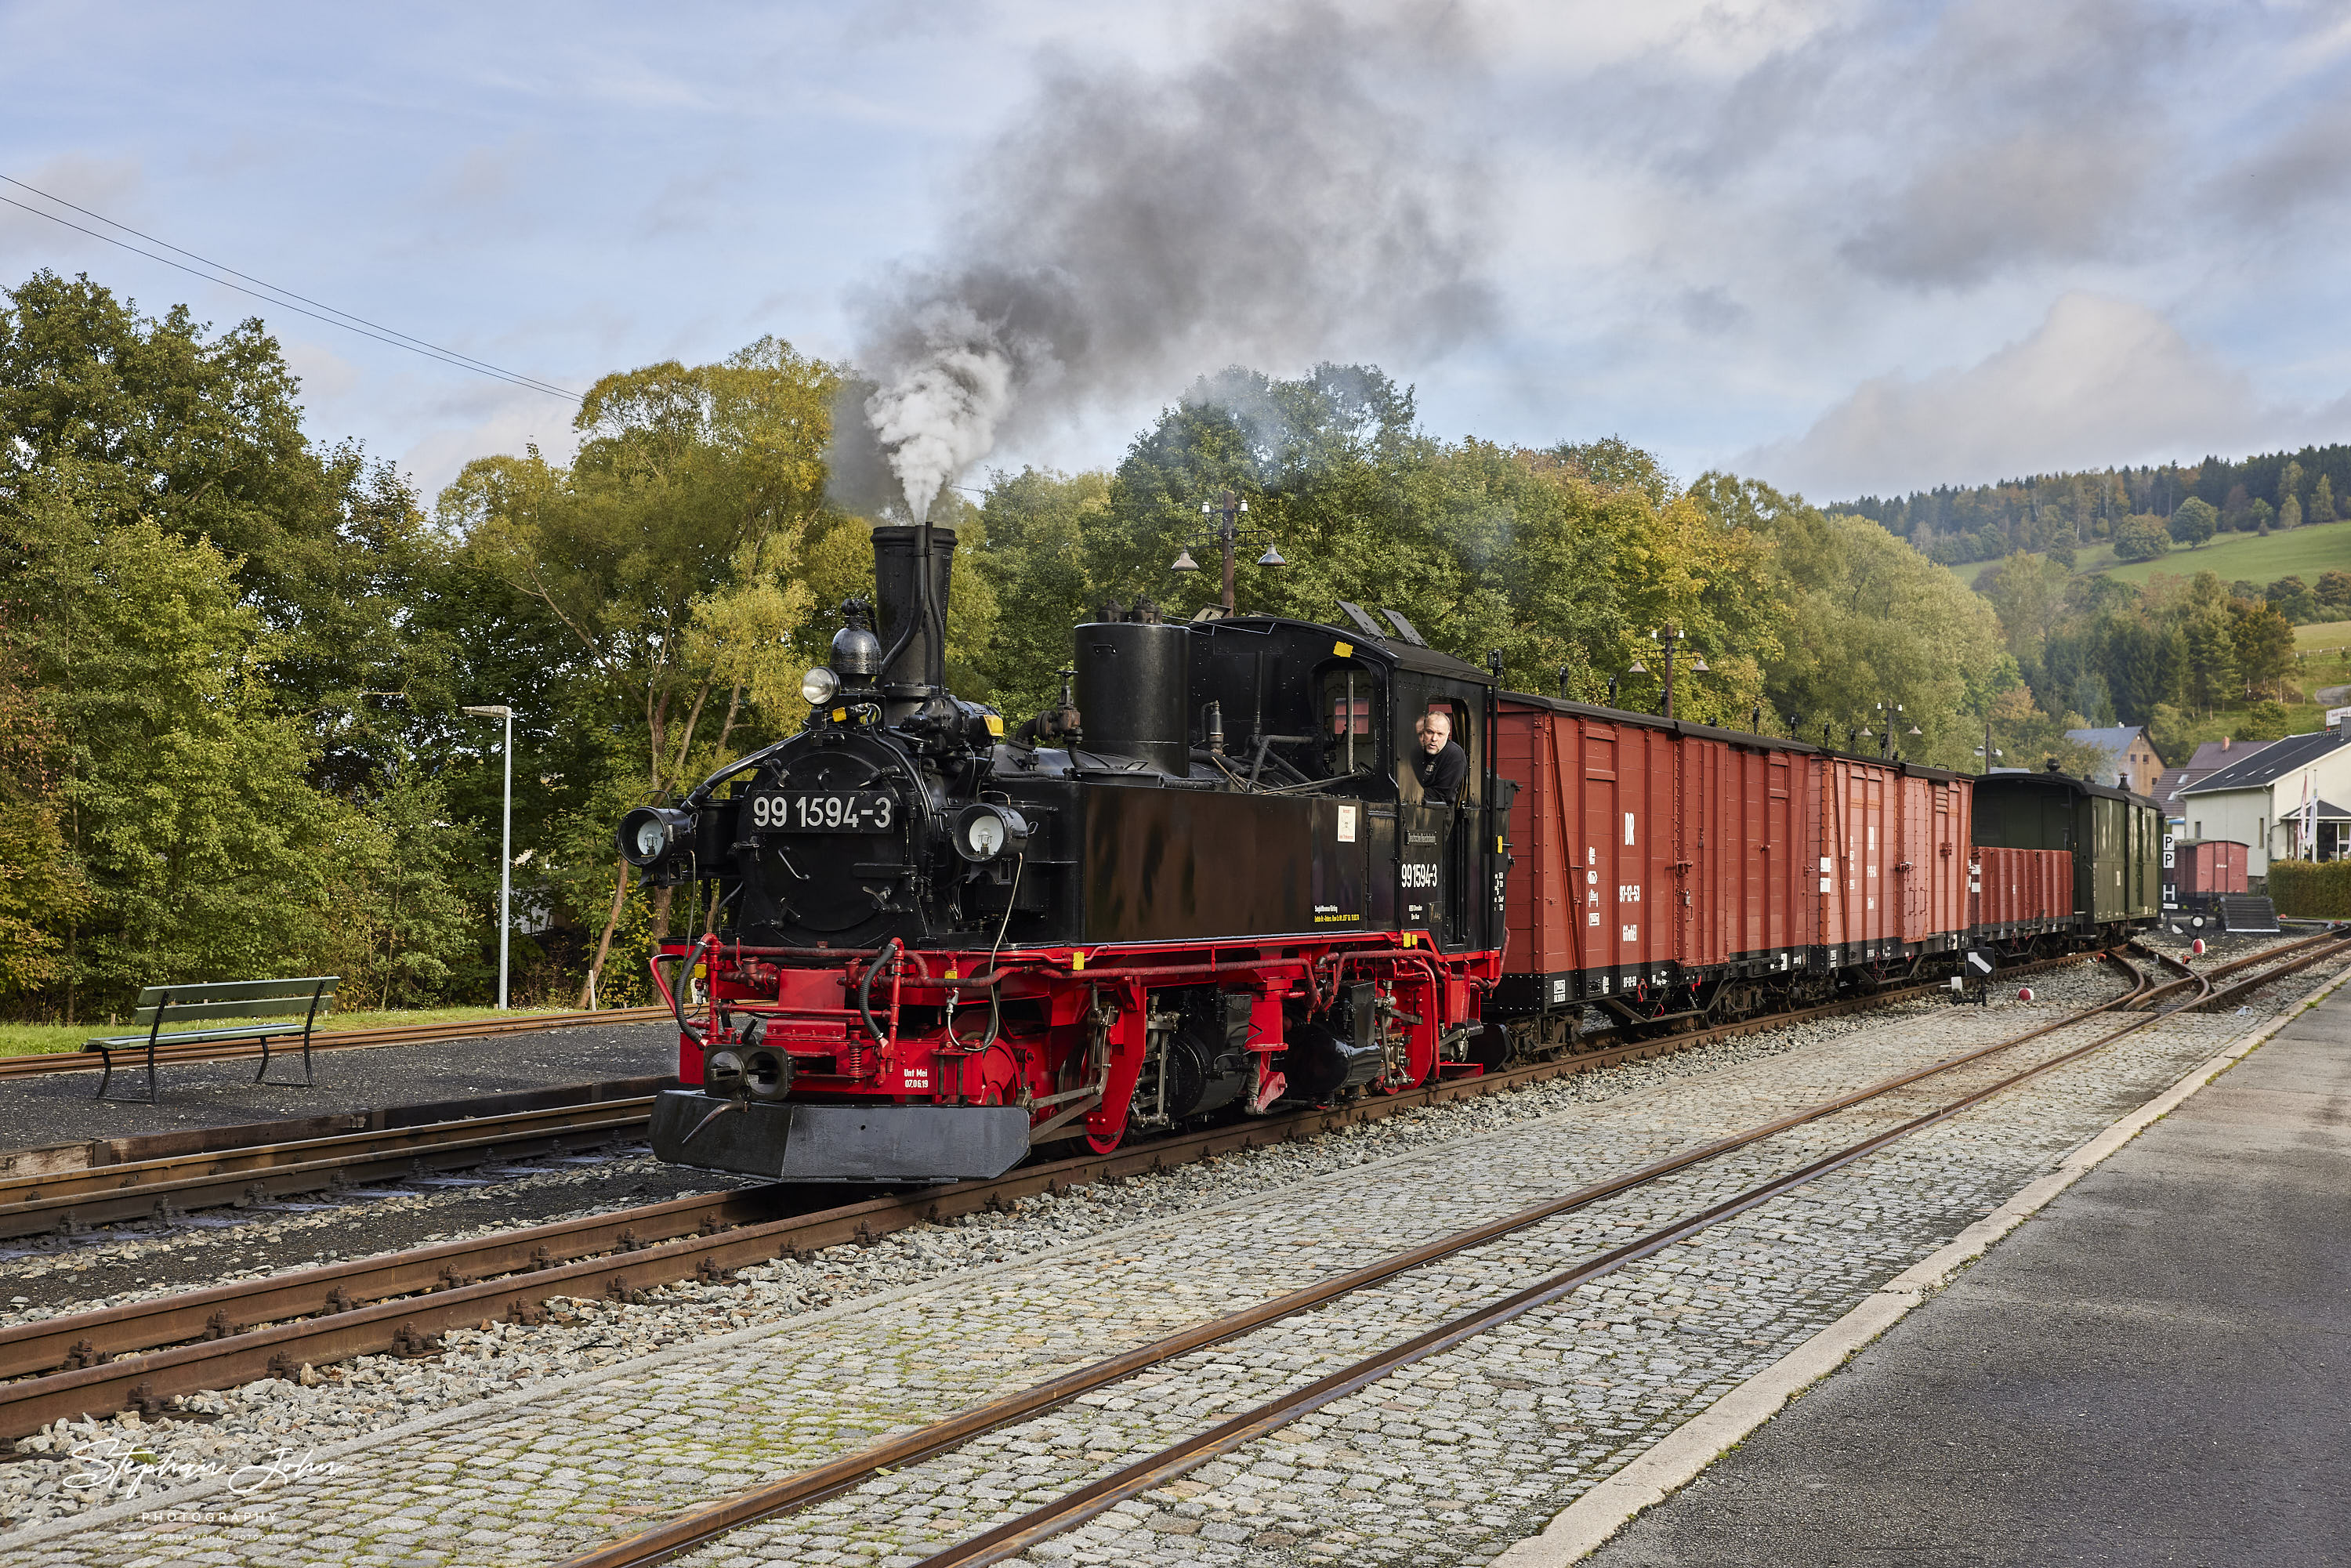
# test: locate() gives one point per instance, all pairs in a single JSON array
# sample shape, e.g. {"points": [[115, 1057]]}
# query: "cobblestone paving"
{"points": [[1447, 1461]]}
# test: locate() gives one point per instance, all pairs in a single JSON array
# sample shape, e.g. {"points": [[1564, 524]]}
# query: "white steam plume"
{"points": [[938, 414], [1274, 203]]}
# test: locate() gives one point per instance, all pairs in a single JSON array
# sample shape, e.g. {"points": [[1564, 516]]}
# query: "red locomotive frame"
{"points": [[1085, 1014]]}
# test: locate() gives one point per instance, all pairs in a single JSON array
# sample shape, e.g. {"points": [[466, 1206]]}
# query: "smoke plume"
{"points": [[1275, 202]]}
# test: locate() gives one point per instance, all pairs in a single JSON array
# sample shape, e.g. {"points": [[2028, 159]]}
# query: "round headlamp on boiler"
{"points": [[650, 834], [820, 685], [985, 833]]}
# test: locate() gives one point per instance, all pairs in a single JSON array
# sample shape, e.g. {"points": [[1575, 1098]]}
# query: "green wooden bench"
{"points": [[159, 1005]]}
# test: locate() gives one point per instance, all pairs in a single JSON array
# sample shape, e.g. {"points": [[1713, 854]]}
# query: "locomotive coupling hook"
{"points": [[730, 1105]]}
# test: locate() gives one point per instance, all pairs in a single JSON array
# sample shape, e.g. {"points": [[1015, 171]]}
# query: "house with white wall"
{"points": [[2259, 801]]}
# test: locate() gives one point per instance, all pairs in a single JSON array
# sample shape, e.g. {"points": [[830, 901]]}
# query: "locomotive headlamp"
{"points": [[984, 832], [649, 834], [820, 685]]}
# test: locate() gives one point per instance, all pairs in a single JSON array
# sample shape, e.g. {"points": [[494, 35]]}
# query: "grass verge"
{"points": [[38, 1039]]}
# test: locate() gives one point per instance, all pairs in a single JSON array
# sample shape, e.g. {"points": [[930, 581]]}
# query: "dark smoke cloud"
{"points": [[1274, 203]]}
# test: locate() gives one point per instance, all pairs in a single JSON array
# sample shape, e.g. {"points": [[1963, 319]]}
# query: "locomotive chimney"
{"points": [[914, 625]]}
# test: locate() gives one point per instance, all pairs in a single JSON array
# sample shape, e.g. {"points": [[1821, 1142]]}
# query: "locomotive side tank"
{"points": [[929, 946]]}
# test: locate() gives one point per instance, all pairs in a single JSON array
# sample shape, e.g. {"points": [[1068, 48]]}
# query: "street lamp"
{"points": [[506, 845], [1988, 751], [1666, 638], [1889, 714], [1226, 533]]}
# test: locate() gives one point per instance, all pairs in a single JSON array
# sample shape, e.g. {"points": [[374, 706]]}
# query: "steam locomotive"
{"points": [[1213, 883]]}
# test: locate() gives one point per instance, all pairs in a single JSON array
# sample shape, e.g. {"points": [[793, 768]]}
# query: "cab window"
{"points": [[1410, 745], [1350, 742]]}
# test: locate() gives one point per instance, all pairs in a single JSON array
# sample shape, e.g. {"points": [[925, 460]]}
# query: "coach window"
{"points": [[1350, 697]]}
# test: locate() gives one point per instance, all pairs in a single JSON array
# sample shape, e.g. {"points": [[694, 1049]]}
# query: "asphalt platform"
{"points": [[2156, 1369], [57, 1108]]}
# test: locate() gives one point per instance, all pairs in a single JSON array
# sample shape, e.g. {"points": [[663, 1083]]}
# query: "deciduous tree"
{"points": [[2193, 524], [668, 551], [2140, 538]]}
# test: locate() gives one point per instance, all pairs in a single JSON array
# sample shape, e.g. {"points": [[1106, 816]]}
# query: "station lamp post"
{"points": [[1890, 714], [506, 845], [1665, 639], [1988, 751], [1226, 533]]}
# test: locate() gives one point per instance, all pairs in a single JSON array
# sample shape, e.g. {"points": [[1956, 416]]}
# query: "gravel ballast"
{"points": [[1590, 1123]]}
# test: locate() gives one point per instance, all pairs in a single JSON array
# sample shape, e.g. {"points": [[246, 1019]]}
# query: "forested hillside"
{"points": [[2057, 514], [238, 652]]}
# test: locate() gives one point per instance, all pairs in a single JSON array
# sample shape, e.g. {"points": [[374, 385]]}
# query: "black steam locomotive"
{"points": [[1212, 884]]}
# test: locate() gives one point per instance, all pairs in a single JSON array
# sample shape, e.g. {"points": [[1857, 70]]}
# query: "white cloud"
{"points": [[2100, 380], [507, 423], [111, 185]]}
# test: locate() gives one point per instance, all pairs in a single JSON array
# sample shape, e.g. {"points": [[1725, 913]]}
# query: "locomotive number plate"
{"points": [[825, 812]]}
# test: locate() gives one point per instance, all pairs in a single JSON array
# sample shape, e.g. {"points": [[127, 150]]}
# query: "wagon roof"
{"points": [[1732, 736], [2042, 778]]}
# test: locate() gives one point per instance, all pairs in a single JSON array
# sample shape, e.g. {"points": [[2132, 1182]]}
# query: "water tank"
{"points": [[1133, 682]]}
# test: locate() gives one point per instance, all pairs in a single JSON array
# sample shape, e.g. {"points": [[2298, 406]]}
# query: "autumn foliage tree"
{"points": [[668, 552]]}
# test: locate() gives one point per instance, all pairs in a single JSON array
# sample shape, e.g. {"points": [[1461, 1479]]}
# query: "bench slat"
{"points": [[191, 1036], [239, 990], [260, 1007]]}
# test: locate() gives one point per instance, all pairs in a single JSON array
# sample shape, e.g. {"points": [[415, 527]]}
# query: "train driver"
{"points": [[1442, 765]]}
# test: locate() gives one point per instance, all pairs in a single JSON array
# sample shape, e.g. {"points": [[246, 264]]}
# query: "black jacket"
{"points": [[1441, 774]]}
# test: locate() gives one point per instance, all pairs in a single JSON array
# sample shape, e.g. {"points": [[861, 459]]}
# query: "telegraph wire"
{"points": [[287, 293], [280, 297]]}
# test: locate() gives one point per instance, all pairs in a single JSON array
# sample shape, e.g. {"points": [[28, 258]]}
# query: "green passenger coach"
{"points": [[2115, 837]]}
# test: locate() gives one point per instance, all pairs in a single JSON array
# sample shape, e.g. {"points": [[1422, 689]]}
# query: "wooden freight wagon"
{"points": [[2021, 894], [1892, 860], [2203, 870], [1665, 868], [1658, 861]]}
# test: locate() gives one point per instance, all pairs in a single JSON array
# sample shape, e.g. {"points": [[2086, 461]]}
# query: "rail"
{"points": [[704, 1525], [144, 1354]]}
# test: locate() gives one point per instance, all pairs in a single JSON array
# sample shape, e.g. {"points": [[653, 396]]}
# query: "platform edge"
{"points": [[1683, 1454]]}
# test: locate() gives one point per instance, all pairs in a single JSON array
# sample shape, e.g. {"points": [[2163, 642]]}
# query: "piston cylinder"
{"points": [[1320, 1064]]}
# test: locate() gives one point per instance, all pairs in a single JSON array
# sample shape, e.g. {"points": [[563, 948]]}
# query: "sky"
{"points": [[1846, 248]]}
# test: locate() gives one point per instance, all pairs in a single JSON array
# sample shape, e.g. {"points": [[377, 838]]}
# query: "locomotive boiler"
{"points": [[1211, 884]]}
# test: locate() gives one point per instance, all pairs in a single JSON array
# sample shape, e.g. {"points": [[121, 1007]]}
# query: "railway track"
{"points": [[1028, 1529], [142, 1354], [2274, 963], [334, 1039], [41, 1201], [70, 1200]]}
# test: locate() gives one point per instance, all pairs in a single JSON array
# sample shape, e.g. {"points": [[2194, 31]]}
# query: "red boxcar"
{"points": [[2023, 894], [1893, 859], [2201, 870], [1664, 867]]}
